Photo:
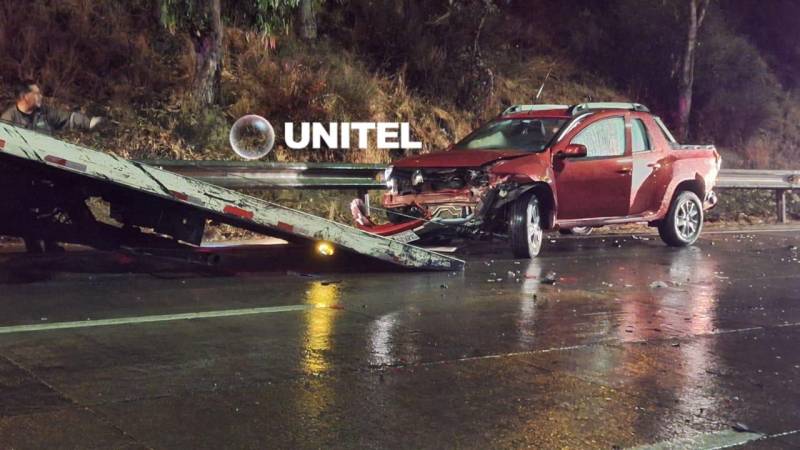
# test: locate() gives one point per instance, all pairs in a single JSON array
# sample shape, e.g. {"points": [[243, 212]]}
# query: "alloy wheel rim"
{"points": [[534, 227], [687, 220]]}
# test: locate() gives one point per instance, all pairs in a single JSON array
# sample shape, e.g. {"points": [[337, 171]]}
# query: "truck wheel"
{"points": [[684, 220], [577, 231], [525, 226]]}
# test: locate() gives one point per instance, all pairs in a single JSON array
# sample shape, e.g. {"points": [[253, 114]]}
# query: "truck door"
{"points": [[652, 170], [599, 184]]}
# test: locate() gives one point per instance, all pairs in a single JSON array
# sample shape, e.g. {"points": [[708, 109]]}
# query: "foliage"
{"points": [[737, 97], [443, 65], [81, 50], [771, 26], [267, 16], [432, 46]]}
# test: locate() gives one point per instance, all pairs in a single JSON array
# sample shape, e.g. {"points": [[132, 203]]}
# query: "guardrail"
{"points": [[267, 175], [780, 181], [361, 177]]}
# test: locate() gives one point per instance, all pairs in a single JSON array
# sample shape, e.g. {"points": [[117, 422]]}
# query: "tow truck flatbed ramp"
{"points": [[176, 205]]}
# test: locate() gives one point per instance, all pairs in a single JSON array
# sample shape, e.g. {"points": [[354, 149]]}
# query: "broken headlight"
{"points": [[416, 178], [478, 177], [387, 173], [391, 185], [387, 178]]}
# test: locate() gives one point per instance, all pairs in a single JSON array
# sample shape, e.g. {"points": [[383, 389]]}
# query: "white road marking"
{"points": [[755, 231], [785, 433], [714, 441], [606, 340], [150, 319], [705, 441], [704, 233]]}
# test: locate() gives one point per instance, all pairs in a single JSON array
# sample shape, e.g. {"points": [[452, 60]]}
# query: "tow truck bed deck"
{"points": [[164, 201]]}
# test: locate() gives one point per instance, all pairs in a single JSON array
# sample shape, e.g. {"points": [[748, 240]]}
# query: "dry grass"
{"points": [[137, 80], [100, 59]]}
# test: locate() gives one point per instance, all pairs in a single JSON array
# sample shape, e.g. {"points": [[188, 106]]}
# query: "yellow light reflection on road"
{"points": [[317, 397], [319, 324]]}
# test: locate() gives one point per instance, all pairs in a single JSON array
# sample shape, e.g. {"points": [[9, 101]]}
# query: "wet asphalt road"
{"points": [[634, 344]]}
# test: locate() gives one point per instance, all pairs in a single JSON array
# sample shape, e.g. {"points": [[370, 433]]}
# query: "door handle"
{"points": [[655, 166], [624, 170]]}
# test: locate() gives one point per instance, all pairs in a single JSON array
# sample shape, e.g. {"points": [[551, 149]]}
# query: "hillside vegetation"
{"points": [[444, 66]]}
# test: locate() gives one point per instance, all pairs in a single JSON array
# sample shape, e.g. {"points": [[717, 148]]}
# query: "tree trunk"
{"points": [[208, 53], [157, 11], [308, 20], [697, 12]]}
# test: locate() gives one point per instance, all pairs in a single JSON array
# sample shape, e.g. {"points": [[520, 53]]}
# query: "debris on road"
{"points": [[550, 278]]}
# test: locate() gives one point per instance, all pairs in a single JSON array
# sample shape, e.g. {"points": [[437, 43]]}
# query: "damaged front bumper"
{"points": [[466, 212]]}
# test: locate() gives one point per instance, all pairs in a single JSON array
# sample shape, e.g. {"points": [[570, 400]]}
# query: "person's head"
{"points": [[29, 96]]}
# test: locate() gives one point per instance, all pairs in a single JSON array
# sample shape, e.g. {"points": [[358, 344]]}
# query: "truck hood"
{"points": [[457, 158]]}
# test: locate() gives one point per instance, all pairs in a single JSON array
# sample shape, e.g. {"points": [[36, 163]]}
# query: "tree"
{"points": [[308, 22], [697, 13], [202, 19], [207, 42]]}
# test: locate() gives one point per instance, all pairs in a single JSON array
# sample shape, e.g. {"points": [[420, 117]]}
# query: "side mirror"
{"points": [[573, 151]]}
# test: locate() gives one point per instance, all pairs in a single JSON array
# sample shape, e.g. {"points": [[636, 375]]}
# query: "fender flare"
{"points": [[544, 190], [696, 185]]}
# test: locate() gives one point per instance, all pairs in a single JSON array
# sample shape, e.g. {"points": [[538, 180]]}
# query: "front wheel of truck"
{"points": [[684, 220], [525, 226]]}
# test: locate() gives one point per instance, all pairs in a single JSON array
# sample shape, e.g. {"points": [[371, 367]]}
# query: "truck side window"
{"points": [[603, 138], [641, 142]]}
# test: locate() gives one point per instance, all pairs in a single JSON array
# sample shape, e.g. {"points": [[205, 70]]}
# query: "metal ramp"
{"points": [[177, 206]]}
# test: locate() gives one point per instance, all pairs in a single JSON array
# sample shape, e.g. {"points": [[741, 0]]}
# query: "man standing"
{"points": [[29, 112]]}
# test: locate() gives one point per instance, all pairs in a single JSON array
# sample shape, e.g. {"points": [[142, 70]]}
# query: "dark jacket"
{"points": [[46, 119]]}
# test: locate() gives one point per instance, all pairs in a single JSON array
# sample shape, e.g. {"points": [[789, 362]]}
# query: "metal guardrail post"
{"points": [[780, 202]]}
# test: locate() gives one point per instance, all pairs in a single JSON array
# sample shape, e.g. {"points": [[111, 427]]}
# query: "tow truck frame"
{"points": [[46, 184]]}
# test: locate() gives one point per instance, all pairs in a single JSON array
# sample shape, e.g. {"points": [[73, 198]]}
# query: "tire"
{"points": [[684, 221], [577, 231], [525, 226]]}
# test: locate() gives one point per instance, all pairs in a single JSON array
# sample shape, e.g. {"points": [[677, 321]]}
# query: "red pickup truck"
{"points": [[547, 167]]}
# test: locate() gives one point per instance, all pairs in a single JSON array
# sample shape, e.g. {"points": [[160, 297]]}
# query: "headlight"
{"points": [[387, 178], [417, 179]]}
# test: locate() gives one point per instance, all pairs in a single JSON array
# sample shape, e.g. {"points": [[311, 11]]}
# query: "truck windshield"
{"points": [[531, 135]]}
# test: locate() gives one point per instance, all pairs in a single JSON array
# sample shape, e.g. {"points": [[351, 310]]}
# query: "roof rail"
{"points": [[522, 108], [581, 107]]}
